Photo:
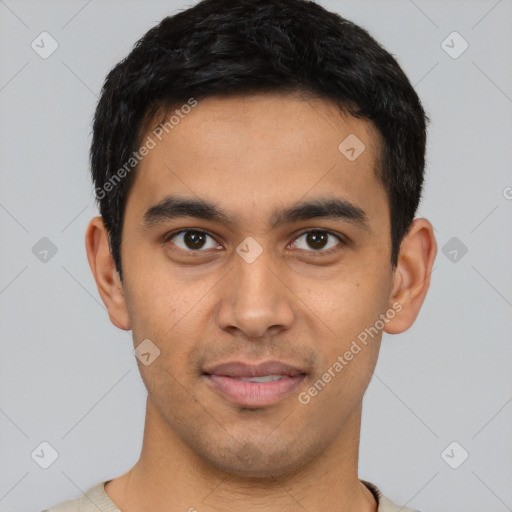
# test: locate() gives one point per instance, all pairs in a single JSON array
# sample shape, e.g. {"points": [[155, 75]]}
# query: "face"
{"points": [[255, 256]]}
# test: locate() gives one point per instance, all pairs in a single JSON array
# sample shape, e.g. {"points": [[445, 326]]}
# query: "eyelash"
{"points": [[342, 242]]}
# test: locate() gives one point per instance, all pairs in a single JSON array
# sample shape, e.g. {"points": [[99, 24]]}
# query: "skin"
{"points": [[253, 156]]}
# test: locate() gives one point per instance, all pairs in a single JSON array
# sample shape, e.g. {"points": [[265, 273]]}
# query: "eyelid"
{"points": [[339, 236], [167, 237], [343, 240], [172, 234]]}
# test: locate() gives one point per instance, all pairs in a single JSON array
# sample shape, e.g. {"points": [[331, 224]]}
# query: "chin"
{"points": [[257, 471], [259, 462]]}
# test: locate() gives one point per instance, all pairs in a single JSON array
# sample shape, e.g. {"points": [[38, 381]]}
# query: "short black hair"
{"points": [[234, 47]]}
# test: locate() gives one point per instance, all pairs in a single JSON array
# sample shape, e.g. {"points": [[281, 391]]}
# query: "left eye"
{"points": [[317, 240]]}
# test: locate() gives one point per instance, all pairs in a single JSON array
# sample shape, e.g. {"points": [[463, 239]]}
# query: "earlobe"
{"points": [[105, 274], [412, 274]]}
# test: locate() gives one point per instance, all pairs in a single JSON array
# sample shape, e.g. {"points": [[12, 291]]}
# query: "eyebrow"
{"points": [[173, 207]]}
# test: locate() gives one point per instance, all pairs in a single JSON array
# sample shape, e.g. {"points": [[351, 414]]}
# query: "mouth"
{"points": [[254, 385]]}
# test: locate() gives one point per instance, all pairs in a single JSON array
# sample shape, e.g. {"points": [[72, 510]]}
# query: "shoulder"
{"points": [[92, 500], [385, 504], [65, 506]]}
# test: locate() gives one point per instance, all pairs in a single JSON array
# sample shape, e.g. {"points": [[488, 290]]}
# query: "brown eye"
{"points": [[317, 240], [192, 240]]}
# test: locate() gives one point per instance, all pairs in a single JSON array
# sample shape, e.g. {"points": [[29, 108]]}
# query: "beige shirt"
{"points": [[96, 499]]}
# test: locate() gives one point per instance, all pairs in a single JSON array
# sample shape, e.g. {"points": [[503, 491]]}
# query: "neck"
{"points": [[170, 477]]}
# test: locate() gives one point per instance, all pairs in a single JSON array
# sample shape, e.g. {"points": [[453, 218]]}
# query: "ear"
{"points": [[412, 275], [105, 274]]}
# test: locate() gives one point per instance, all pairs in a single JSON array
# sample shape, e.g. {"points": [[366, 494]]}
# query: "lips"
{"points": [[238, 369], [254, 385]]}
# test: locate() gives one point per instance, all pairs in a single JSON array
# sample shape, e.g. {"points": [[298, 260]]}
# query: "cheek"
{"points": [[170, 314], [346, 320], [335, 394], [347, 364], [346, 304], [160, 304]]}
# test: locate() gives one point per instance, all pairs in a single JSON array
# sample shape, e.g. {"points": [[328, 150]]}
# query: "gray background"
{"points": [[68, 377]]}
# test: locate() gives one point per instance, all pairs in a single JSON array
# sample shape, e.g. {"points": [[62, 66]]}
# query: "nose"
{"points": [[256, 301]]}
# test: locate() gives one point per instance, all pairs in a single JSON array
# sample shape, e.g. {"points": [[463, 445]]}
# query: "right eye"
{"points": [[191, 240]]}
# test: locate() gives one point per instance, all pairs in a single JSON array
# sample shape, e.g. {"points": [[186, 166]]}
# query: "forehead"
{"points": [[252, 154]]}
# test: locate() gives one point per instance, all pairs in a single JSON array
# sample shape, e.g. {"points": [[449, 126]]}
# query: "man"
{"points": [[258, 165]]}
